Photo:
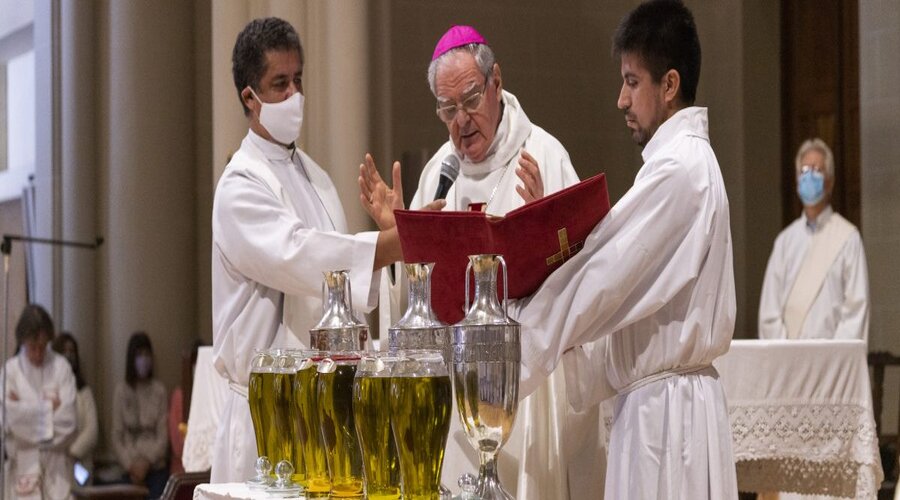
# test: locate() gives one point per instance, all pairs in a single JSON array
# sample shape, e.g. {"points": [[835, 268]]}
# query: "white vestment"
{"points": [[841, 309], [550, 442], [273, 237], [656, 277], [37, 436]]}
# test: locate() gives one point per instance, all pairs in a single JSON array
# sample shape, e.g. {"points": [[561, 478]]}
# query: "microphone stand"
{"points": [[6, 249]]}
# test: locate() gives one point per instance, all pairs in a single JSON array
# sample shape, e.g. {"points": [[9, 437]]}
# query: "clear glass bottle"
{"points": [[339, 329], [419, 328]]}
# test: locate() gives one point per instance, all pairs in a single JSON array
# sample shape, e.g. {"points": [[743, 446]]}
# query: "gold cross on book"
{"points": [[565, 251]]}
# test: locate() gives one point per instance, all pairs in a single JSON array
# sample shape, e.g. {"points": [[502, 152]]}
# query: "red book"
{"points": [[534, 239]]}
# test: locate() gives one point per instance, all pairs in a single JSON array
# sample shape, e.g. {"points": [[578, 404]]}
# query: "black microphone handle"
{"points": [[443, 188]]}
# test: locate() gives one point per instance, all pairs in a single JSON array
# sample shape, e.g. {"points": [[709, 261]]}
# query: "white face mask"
{"points": [[283, 119]]}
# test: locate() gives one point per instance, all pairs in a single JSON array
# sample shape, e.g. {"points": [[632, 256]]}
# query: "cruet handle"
{"points": [[505, 288], [349, 292], [468, 268]]}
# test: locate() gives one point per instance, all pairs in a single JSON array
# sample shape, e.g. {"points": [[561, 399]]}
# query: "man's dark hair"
{"points": [[139, 341], [663, 34], [32, 322], [248, 59]]}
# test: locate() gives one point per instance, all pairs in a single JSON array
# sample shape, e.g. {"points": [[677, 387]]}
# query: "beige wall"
{"points": [[11, 223], [16, 16], [880, 159]]}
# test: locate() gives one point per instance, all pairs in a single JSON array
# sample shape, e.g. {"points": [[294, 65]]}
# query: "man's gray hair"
{"points": [[484, 58], [816, 144]]}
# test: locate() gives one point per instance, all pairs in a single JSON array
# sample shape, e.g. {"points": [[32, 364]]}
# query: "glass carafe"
{"points": [[419, 327], [339, 329], [336, 420], [309, 448], [486, 356], [372, 414], [421, 409], [270, 396]]}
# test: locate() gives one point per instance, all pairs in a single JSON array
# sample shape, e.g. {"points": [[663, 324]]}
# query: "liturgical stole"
{"points": [[823, 249]]}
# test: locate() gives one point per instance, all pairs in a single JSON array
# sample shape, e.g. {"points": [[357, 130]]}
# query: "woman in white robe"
{"points": [[40, 413]]}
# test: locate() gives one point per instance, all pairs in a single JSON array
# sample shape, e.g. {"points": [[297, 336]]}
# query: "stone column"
{"points": [[78, 174], [338, 65], [146, 176]]}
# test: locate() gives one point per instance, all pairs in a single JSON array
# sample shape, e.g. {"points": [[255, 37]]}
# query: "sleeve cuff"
{"points": [[363, 279]]}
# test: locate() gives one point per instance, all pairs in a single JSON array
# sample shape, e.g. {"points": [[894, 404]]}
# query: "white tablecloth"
{"points": [[232, 491], [801, 414], [207, 398]]}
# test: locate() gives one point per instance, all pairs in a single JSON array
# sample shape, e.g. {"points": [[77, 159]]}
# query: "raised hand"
{"points": [[532, 187], [376, 197]]}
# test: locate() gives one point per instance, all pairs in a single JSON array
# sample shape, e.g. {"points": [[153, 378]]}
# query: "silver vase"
{"points": [[486, 356], [339, 329], [419, 327]]}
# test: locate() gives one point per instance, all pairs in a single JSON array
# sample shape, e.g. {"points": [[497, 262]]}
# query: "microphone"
{"points": [[449, 173]]}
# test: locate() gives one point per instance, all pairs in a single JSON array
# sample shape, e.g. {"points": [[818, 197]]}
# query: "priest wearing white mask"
{"points": [[277, 225], [40, 413], [816, 284], [504, 161], [656, 278]]}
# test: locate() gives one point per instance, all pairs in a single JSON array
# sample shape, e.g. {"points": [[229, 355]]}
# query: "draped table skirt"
{"points": [[801, 417]]}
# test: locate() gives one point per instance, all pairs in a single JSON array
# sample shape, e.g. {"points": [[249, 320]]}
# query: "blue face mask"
{"points": [[811, 187]]}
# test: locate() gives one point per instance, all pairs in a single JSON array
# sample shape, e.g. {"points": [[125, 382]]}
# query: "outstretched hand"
{"points": [[532, 187], [376, 197]]}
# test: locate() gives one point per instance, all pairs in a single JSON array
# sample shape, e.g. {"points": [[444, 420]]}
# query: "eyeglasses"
{"points": [[806, 168], [447, 112]]}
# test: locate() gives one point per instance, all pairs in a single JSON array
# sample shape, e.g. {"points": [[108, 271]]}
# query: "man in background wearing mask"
{"points": [[816, 283], [277, 225]]}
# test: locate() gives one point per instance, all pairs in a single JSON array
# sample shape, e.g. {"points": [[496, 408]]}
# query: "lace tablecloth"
{"points": [[207, 398], [801, 415]]}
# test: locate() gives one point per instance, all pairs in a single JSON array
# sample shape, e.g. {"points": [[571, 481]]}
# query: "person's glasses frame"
{"points": [[806, 168], [447, 112]]}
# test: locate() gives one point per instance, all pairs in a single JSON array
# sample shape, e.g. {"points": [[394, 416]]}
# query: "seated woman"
{"points": [[82, 448], [40, 413], [139, 436]]}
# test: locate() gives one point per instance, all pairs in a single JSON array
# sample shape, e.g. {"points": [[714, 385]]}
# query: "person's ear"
{"points": [[498, 80], [250, 101], [671, 85]]}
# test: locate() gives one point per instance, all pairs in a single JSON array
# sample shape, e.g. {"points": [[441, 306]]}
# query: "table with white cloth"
{"points": [[231, 491], [801, 415], [207, 398]]}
